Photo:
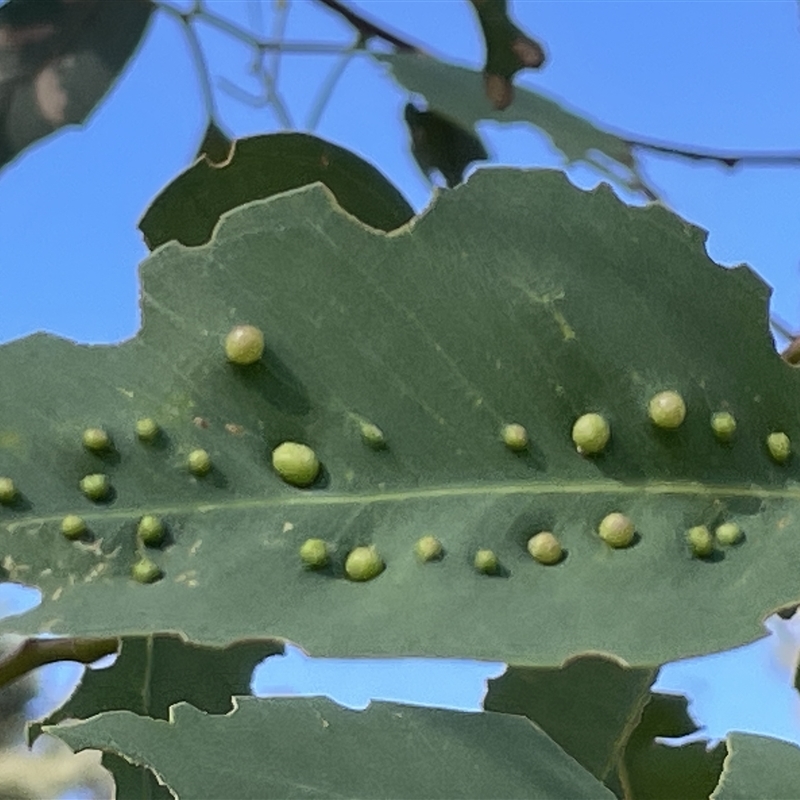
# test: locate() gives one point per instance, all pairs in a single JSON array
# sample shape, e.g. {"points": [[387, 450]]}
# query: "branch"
{"points": [[35, 653], [367, 29], [730, 160]]}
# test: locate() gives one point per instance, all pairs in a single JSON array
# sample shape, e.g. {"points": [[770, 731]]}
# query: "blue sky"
{"points": [[713, 75]]}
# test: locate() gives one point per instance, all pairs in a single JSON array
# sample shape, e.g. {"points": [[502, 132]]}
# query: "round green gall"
{"points": [[95, 486], [701, 542], [590, 434], [372, 436], [8, 491], [545, 548], [729, 533], [244, 344], [486, 562], [199, 462], [147, 429], [667, 410], [515, 437], [96, 440], [779, 446], [146, 571], [616, 530], [363, 564], [428, 548], [150, 530], [723, 424], [73, 526], [295, 463], [314, 553]]}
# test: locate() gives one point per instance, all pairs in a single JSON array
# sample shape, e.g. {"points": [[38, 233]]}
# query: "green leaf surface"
{"points": [[759, 767], [262, 166], [589, 706], [517, 298], [310, 747], [457, 92], [152, 673], [654, 770]]}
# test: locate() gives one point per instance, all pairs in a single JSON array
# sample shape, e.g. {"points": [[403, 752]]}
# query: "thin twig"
{"points": [[35, 653], [326, 90], [278, 30], [367, 29], [730, 160]]}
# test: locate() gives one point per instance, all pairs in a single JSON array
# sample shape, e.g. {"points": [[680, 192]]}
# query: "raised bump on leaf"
{"points": [[146, 571], [296, 463], [95, 486], [701, 542], [545, 548], [244, 344], [73, 526], [96, 439], [314, 553], [779, 447], [147, 429], [723, 423], [729, 533], [372, 435], [514, 436], [591, 433], [617, 530], [363, 564], [199, 462], [667, 410], [8, 491], [150, 530], [486, 562], [428, 548]]}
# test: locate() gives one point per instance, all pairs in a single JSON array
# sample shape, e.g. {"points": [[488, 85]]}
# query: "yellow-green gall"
{"points": [[428, 548], [96, 439], [701, 542], [199, 462], [244, 344], [723, 423], [514, 436], [372, 436], [729, 533], [147, 429], [73, 526], [314, 553], [667, 410], [8, 491], [616, 530], [146, 571], [590, 434], [545, 548], [95, 486], [779, 446], [295, 463], [486, 562], [150, 530], [363, 564]]}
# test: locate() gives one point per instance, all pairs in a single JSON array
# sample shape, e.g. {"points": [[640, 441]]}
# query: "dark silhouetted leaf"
{"points": [[57, 60], [262, 166], [440, 143], [216, 146]]}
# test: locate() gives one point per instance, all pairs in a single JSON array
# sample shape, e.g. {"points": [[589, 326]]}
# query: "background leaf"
{"points": [[457, 93], [310, 747], [589, 706], [58, 59], [262, 166]]}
